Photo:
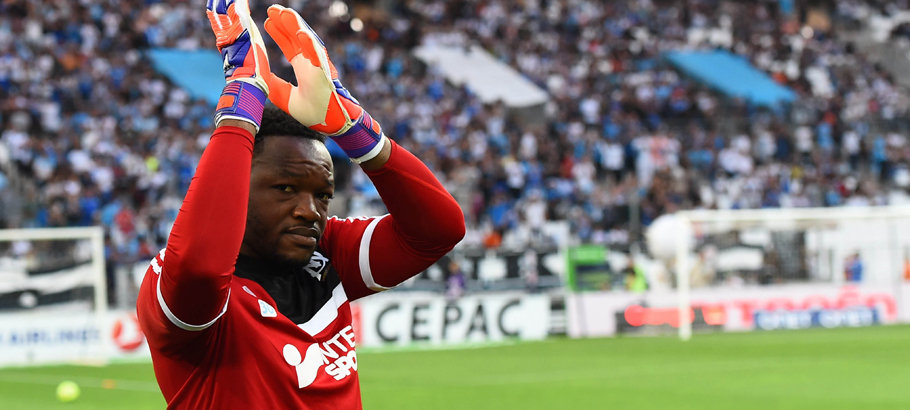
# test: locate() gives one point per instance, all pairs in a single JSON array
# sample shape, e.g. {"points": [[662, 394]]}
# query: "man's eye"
{"points": [[285, 188], [326, 197]]}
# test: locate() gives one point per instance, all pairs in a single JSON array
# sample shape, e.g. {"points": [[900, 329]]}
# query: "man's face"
{"points": [[291, 183]]}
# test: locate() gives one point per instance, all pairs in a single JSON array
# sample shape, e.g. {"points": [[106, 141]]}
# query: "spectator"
{"points": [[92, 134], [853, 268]]}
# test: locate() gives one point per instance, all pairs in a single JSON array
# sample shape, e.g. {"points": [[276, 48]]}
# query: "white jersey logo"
{"points": [[307, 367], [342, 367], [339, 356], [336, 354]]}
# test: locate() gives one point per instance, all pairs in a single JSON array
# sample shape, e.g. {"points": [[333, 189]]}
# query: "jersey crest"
{"points": [[316, 266]]}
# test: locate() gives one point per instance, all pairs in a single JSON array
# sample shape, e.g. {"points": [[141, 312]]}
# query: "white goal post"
{"points": [[94, 233], [23, 336], [783, 219]]}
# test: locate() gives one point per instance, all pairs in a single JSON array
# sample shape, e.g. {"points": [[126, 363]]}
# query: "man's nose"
{"points": [[306, 209]]}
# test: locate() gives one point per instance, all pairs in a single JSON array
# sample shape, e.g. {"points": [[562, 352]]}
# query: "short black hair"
{"points": [[277, 123]]}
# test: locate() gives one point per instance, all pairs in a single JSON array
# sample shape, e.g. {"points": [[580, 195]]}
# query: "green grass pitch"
{"points": [[866, 368]]}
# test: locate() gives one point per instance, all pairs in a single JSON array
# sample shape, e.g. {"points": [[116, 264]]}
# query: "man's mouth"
{"points": [[304, 236], [304, 240]]}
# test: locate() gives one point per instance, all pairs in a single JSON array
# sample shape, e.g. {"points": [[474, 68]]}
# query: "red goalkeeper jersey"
{"points": [[236, 333]]}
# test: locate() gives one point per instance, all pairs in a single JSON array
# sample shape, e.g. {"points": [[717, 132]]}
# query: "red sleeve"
{"points": [[424, 224], [193, 274]]}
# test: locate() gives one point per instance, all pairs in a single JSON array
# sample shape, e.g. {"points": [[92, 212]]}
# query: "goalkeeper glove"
{"points": [[245, 61], [319, 101]]}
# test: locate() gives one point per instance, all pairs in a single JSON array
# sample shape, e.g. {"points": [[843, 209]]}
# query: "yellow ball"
{"points": [[67, 391]]}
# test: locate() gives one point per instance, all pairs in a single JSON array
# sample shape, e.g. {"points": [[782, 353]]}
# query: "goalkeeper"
{"points": [[248, 307]]}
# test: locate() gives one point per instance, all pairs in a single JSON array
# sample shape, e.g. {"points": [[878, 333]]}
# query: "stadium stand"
{"points": [[731, 75], [92, 133]]}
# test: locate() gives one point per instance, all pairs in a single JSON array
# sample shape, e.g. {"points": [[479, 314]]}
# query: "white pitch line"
{"points": [[92, 382]]}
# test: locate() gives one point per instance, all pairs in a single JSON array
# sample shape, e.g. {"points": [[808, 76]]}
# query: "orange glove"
{"points": [[319, 101]]}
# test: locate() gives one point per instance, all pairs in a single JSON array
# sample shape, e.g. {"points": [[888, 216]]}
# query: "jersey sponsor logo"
{"points": [[307, 367], [338, 354], [342, 367], [316, 265], [266, 310]]}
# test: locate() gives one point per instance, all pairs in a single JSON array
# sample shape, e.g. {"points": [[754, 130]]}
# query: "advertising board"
{"points": [[399, 319], [793, 306], [61, 336]]}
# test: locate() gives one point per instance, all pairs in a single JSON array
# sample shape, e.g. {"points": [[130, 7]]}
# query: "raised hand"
{"points": [[245, 61], [319, 100]]}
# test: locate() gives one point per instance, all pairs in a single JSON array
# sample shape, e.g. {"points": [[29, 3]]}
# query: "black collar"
{"points": [[261, 270], [297, 294]]}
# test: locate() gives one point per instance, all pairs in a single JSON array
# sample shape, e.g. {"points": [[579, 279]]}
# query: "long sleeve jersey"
{"points": [[235, 333]]}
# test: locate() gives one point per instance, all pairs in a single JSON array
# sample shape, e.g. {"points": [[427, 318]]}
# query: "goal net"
{"points": [[53, 296], [791, 268]]}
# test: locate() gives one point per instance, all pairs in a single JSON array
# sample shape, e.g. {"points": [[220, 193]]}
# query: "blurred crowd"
{"points": [[92, 134]]}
